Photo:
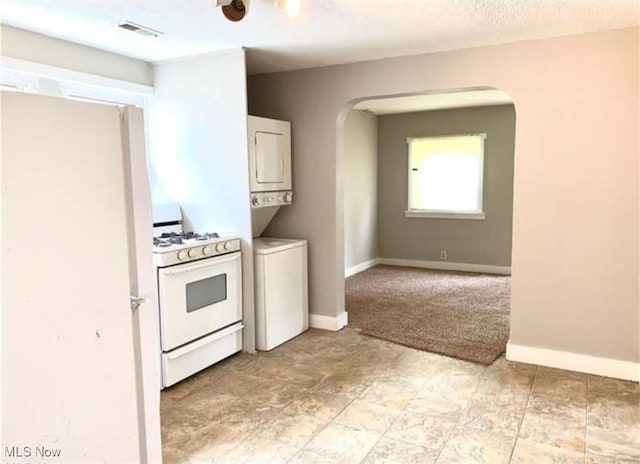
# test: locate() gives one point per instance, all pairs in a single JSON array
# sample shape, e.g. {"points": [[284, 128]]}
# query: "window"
{"points": [[445, 176]]}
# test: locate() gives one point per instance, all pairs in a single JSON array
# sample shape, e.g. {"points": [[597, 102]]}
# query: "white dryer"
{"points": [[282, 302]]}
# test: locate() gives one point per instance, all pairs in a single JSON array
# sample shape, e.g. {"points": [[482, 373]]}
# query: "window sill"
{"points": [[477, 216]]}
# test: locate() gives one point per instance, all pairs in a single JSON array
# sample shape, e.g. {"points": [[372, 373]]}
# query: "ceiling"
{"points": [[327, 32], [429, 102]]}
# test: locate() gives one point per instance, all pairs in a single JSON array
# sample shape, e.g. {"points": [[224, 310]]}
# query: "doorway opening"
{"points": [[428, 212]]}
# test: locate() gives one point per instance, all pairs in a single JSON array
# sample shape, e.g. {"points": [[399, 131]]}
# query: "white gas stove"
{"points": [[199, 295]]}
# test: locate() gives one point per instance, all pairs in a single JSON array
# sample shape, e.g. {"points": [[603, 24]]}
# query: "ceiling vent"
{"points": [[140, 29]]}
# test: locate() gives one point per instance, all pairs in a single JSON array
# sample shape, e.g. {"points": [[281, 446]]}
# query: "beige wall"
{"points": [[466, 241], [360, 188], [30, 46], [575, 231]]}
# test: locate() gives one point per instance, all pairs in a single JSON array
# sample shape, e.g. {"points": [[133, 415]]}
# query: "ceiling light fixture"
{"points": [[236, 10], [290, 7]]}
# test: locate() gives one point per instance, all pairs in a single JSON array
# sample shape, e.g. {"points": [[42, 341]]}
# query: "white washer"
{"points": [[282, 302]]}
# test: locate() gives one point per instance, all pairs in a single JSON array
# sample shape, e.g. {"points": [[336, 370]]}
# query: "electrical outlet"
{"points": [[443, 254]]}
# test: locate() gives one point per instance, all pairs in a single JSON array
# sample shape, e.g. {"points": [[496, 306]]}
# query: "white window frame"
{"points": [[478, 215]]}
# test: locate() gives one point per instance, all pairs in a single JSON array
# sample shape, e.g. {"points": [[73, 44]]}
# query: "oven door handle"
{"points": [[204, 341], [207, 262]]}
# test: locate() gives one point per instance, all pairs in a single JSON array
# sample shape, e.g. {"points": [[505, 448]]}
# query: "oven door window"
{"points": [[206, 292]]}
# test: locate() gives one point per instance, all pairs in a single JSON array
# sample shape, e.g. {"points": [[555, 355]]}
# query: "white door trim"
{"points": [[14, 68]]}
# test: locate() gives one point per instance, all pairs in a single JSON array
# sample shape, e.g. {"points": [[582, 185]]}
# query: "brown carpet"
{"points": [[458, 314]]}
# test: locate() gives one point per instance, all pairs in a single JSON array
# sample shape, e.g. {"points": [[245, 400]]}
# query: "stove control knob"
{"points": [[182, 254], [206, 251], [287, 197], [220, 247], [255, 201], [228, 245], [192, 253]]}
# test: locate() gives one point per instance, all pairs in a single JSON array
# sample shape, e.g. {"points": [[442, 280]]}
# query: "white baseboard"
{"points": [[318, 321], [605, 367], [447, 266], [361, 267]]}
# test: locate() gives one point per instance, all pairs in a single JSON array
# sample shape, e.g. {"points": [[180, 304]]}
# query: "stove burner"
{"points": [[167, 239], [161, 242]]}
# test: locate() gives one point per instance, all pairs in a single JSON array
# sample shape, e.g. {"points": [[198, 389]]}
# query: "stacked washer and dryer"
{"points": [[280, 265]]}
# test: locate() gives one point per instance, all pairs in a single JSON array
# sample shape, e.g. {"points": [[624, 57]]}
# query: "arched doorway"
{"points": [[377, 183]]}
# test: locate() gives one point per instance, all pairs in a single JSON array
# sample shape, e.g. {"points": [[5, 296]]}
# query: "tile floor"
{"points": [[326, 398]]}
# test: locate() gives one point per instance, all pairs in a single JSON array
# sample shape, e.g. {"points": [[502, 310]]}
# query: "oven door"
{"points": [[199, 298]]}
